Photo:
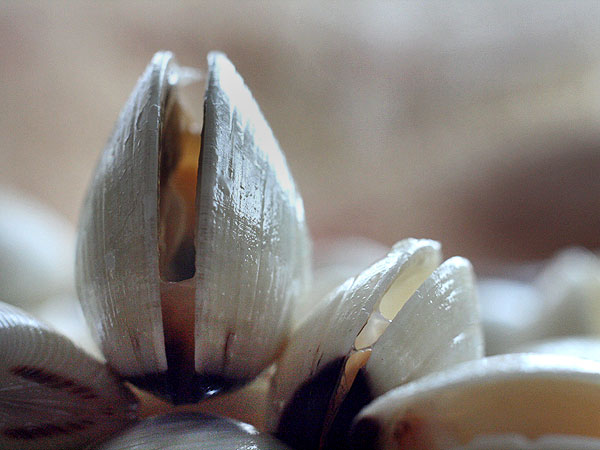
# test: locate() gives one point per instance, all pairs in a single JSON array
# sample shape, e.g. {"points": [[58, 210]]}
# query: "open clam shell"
{"points": [[522, 397], [192, 431], [53, 394], [349, 351], [192, 247]]}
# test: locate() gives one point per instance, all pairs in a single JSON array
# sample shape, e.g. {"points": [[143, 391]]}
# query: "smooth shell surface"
{"points": [[36, 251], [562, 300], [518, 442], [37, 255], [346, 352], [521, 394], [581, 346], [336, 260], [512, 313], [192, 431], [437, 328], [52, 394], [225, 319], [569, 284]]}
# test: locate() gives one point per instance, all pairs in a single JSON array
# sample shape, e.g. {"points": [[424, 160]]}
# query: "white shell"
{"points": [[191, 431], [336, 260], [523, 394], [518, 442], [581, 346], [252, 249], [512, 312], [252, 244], [570, 288], [36, 251], [436, 326], [563, 300], [116, 268], [64, 313], [52, 394]]}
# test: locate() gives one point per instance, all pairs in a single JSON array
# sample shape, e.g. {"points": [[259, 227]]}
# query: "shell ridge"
{"points": [[249, 300], [107, 221]]}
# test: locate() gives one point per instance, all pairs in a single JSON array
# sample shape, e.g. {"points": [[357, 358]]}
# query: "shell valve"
{"points": [[193, 247]]}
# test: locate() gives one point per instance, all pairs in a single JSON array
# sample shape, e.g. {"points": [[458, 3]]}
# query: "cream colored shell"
{"points": [[526, 395]]}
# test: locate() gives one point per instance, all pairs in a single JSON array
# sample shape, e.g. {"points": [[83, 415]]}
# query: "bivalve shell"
{"points": [[192, 431], [349, 350], [193, 246], [52, 393], [522, 397], [36, 251]]}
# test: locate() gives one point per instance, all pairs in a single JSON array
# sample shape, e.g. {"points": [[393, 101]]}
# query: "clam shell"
{"points": [[526, 395], [562, 300], [332, 366], [512, 313], [53, 394], [252, 242], [581, 346], [518, 442], [117, 250], [66, 317], [437, 328], [227, 318], [570, 287], [36, 251], [192, 431], [336, 260]]}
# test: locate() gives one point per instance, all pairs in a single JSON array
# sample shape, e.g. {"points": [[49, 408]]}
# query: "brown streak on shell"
{"points": [[45, 430], [54, 381]]}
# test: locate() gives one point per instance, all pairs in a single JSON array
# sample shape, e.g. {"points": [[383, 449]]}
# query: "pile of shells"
{"points": [[194, 269]]}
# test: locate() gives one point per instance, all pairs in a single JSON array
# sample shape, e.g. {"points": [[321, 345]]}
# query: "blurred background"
{"points": [[477, 124]]}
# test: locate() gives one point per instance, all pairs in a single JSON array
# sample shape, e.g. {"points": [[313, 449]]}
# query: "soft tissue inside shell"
{"points": [[405, 284], [385, 310], [180, 153]]}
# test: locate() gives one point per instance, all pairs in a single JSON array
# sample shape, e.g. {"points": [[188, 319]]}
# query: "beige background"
{"points": [[477, 124]]}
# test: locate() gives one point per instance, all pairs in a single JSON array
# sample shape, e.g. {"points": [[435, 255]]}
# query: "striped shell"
{"points": [[52, 393], [193, 247]]}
